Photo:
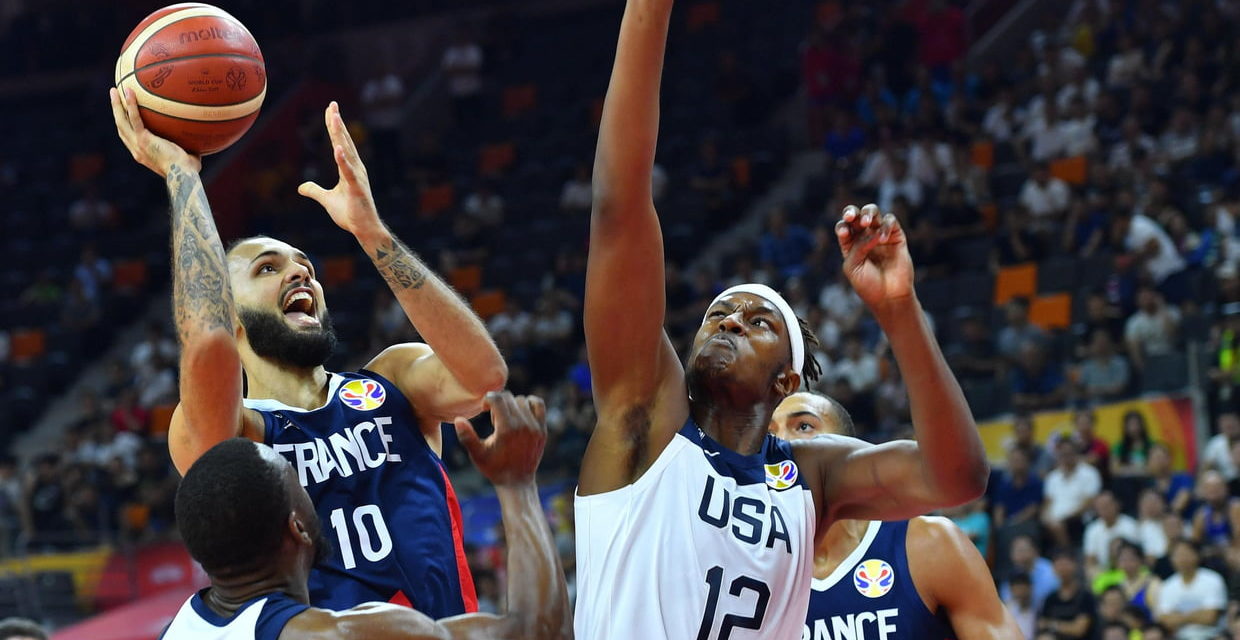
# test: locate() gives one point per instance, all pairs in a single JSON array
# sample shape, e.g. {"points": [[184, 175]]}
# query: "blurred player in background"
{"points": [[693, 521], [918, 579], [246, 519], [365, 445]]}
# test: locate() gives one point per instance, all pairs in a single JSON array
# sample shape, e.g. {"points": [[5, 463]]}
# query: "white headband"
{"points": [[790, 319]]}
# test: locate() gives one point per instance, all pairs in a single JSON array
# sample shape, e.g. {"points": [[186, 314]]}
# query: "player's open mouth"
{"points": [[299, 307]]}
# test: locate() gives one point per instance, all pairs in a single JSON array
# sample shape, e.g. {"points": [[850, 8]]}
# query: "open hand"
{"points": [[876, 258], [151, 151], [511, 454], [349, 203]]}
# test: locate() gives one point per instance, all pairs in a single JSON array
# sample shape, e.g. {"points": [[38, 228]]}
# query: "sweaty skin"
{"points": [[946, 568]]}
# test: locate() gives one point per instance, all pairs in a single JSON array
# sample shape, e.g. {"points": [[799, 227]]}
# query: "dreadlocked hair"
{"points": [[812, 370]]}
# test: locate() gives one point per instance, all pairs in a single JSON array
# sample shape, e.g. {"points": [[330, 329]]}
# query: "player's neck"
{"points": [[294, 386], [840, 540], [227, 595], [741, 429]]}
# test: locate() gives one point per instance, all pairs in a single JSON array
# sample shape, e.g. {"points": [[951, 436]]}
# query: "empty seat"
{"points": [[1058, 274]]}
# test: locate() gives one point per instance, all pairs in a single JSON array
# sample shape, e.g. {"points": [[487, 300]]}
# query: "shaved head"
{"points": [[806, 414]]}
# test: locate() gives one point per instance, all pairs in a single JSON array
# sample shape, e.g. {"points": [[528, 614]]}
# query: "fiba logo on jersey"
{"points": [[782, 475], [363, 395], [874, 578]]}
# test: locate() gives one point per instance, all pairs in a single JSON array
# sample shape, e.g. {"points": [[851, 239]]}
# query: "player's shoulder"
{"points": [[365, 621], [938, 539]]}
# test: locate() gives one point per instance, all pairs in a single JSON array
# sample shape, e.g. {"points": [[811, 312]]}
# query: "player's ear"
{"points": [[297, 527], [787, 383]]}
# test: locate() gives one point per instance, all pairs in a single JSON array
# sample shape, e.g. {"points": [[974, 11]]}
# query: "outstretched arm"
{"points": [[537, 595], [210, 410], [951, 574], [465, 363], [638, 380], [946, 465]]}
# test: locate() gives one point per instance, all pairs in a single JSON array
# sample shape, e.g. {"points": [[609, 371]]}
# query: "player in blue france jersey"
{"points": [[364, 445], [918, 579], [247, 520]]}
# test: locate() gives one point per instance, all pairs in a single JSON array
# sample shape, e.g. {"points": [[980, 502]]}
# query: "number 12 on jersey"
{"points": [[373, 549], [740, 584]]}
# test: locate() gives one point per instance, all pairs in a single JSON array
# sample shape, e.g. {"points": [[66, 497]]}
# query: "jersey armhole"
{"points": [[275, 617], [644, 482], [269, 424]]}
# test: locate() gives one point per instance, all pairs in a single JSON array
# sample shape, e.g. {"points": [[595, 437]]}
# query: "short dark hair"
{"points": [[21, 628], [232, 506], [845, 419], [237, 241]]}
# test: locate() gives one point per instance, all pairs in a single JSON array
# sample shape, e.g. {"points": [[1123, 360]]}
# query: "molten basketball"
{"points": [[197, 73]]}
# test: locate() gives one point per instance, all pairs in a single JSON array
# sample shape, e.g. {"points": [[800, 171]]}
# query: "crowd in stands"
{"points": [[1106, 152]]}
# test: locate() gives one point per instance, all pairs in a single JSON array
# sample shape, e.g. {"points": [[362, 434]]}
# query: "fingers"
{"points": [[503, 409], [345, 138], [118, 115], [343, 148], [467, 436], [131, 110], [313, 191], [538, 409]]}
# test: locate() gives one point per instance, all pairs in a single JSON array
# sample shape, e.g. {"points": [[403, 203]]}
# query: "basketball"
{"points": [[198, 75]]}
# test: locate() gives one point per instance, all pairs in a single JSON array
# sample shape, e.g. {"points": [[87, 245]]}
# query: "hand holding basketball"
{"points": [[511, 454], [876, 258], [349, 203], [150, 150]]}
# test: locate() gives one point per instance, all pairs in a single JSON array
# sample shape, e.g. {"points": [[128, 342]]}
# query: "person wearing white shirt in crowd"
{"points": [[1078, 129], [1021, 604], [484, 205], [1153, 329], [1127, 64], [577, 193], [931, 161], [879, 164], [901, 182], [842, 303], [857, 368], [1047, 136], [1122, 152], [155, 345], [1180, 140], [1143, 236], [462, 64], [1190, 602], [1002, 120], [1082, 87], [1109, 526], [1069, 488], [1218, 449], [1044, 196], [1151, 534]]}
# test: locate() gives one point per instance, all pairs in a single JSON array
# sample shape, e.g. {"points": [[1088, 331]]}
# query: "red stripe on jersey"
{"points": [[401, 599], [468, 595]]}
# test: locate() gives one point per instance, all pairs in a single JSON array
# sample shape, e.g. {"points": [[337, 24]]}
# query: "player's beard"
{"points": [[322, 547], [271, 338]]}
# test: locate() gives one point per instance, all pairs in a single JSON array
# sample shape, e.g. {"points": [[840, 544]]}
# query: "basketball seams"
{"points": [[170, 107], [135, 72], [129, 57]]}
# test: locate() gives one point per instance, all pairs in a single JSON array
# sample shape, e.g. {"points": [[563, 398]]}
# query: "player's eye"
{"points": [[266, 269], [804, 427], [762, 322], [717, 313]]}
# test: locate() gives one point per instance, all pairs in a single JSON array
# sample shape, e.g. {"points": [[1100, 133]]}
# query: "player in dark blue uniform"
{"points": [[366, 445], [918, 579]]}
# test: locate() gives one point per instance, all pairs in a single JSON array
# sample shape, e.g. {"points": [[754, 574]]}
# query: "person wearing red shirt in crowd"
{"points": [[1093, 449], [941, 32], [128, 414]]}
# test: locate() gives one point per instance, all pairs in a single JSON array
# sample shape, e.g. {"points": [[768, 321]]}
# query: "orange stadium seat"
{"points": [[1071, 170], [160, 419], [129, 274], [702, 14], [338, 270], [990, 215], [436, 199], [1052, 311], [28, 344], [496, 158], [1016, 281], [488, 303], [519, 99], [466, 280], [982, 154]]}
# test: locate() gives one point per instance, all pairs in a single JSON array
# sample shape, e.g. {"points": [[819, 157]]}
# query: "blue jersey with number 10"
{"points": [[382, 495]]}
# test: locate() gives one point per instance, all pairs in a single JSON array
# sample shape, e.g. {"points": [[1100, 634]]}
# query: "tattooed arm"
{"points": [[210, 408], [449, 375]]}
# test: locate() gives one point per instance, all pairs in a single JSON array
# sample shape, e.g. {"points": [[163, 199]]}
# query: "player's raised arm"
{"points": [[537, 593], [946, 465], [465, 364], [638, 380], [210, 410]]}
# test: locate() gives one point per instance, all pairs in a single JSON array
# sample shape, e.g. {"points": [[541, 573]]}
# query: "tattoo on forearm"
{"points": [[398, 266], [201, 296]]}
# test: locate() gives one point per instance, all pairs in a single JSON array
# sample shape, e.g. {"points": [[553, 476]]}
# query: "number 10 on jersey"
{"points": [[739, 585], [373, 549]]}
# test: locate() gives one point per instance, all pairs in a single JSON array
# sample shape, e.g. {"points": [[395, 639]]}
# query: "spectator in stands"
{"points": [[1217, 519], [21, 629], [900, 184], [1151, 512], [857, 368], [1040, 457], [91, 272], [1176, 487], [577, 194], [1045, 197], [1148, 243], [128, 414], [1192, 600], [1138, 586], [1037, 383], [785, 246], [1115, 617], [1217, 454], [1180, 141], [485, 205], [383, 102], [155, 344], [1103, 376], [1019, 331], [710, 180], [1026, 560], [974, 356], [1070, 487], [1134, 141], [1153, 329], [841, 301], [1021, 605], [1130, 456], [157, 384], [1016, 497], [10, 504], [462, 64], [1109, 526], [91, 212], [43, 515], [1100, 315], [1069, 611]]}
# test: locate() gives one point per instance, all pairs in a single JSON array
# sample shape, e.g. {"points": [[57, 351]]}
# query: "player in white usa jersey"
{"points": [[693, 522]]}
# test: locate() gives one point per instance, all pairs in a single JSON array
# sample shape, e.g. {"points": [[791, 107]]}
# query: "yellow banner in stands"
{"points": [[1170, 420]]}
